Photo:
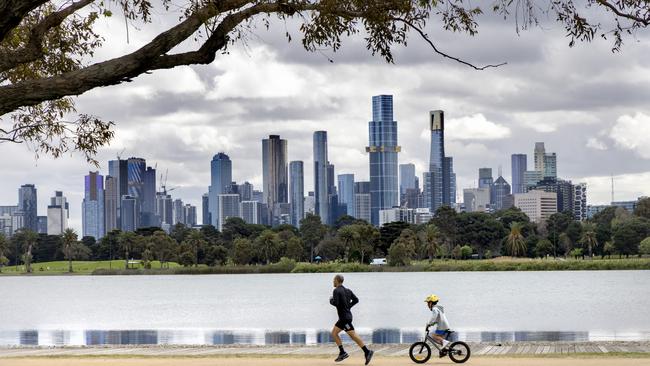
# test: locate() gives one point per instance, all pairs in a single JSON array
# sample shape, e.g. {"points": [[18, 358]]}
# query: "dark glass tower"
{"points": [[297, 191], [519, 165], [220, 181], [321, 179], [27, 205], [275, 177], [383, 149]]}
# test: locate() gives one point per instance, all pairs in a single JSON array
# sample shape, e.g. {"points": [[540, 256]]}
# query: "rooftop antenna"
{"points": [[500, 170]]}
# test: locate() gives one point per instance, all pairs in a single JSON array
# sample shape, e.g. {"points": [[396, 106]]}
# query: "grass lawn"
{"points": [[79, 267]]}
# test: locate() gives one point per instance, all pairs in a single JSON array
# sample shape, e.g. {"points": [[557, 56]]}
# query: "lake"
{"points": [[294, 308]]}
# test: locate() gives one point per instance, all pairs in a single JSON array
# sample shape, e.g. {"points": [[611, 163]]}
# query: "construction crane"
{"points": [[119, 156]]}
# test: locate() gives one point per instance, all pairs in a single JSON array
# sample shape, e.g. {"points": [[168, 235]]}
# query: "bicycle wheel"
{"points": [[420, 352], [459, 352]]}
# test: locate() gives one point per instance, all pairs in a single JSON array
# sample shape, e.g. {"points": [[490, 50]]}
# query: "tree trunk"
{"points": [[126, 260], [69, 263]]}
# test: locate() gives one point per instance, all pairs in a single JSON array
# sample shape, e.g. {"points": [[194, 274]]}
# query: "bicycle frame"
{"points": [[428, 338]]}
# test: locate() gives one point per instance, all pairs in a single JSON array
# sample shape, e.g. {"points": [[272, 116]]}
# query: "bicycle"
{"points": [[420, 352]]}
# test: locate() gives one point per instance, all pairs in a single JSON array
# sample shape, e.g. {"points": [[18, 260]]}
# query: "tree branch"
{"points": [[12, 13], [33, 50], [436, 50], [615, 10]]}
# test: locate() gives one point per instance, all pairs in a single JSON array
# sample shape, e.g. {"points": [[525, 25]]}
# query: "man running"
{"points": [[344, 299]]}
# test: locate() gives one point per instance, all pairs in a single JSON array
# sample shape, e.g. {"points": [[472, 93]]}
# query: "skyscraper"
{"points": [[346, 192], [406, 177], [129, 213], [245, 191], [251, 211], [220, 180], [179, 212], [550, 166], [519, 165], [119, 170], [57, 214], [205, 211], [383, 149], [165, 210], [111, 201], [27, 206], [580, 202], [448, 182], [539, 156], [275, 178], [149, 198], [297, 192], [439, 183], [321, 189], [189, 213], [92, 207], [500, 190], [136, 173], [228, 207], [485, 179]]}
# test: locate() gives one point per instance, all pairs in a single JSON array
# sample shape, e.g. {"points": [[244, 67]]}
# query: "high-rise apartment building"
{"points": [[448, 182], [111, 201], [251, 212], [27, 206], [119, 170], [165, 210], [297, 192], [580, 201], [275, 177], [346, 192], [383, 150], [228, 207], [178, 208], [189, 213], [205, 209], [245, 191], [321, 186], [92, 207]]}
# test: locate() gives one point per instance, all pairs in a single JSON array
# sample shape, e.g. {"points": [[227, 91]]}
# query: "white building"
{"points": [[397, 214], [57, 214], [537, 205], [310, 205], [580, 201], [476, 199]]}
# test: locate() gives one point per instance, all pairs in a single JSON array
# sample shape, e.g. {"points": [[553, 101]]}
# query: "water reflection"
{"points": [[270, 337]]}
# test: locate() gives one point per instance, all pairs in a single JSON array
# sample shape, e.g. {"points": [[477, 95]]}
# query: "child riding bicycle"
{"points": [[438, 320]]}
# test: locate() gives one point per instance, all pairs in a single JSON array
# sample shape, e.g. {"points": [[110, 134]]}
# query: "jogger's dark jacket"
{"points": [[344, 299]]}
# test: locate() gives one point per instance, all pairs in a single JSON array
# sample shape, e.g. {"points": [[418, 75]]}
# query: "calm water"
{"points": [[294, 308]]}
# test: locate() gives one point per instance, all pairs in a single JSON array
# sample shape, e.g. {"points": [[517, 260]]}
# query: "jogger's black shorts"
{"points": [[346, 325]]}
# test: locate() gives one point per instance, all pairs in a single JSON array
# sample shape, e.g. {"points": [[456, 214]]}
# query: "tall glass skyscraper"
{"points": [[119, 170], [92, 207], [448, 181], [297, 192], [346, 192], [149, 198], [321, 188], [220, 180], [111, 200], [434, 191], [519, 164], [275, 180], [383, 149], [205, 211], [540, 151], [27, 205], [406, 177]]}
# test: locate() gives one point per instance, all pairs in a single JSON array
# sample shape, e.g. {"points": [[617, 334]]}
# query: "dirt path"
{"points": [[291, 361]]}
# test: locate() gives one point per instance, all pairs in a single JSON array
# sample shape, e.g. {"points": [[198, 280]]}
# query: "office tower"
{"points": [[540, 151], [228, 207], [485, 178], [282, 214], [396, 214], [205, 211], [275, 177], [136, 171], [27, 205], [531, 177], [310, 203], [258, 196], [251, 212], [382, 150], [346, 192], [362, 206], [189, 215], [412, 198], [178, 212], [119, 170], [297, 192], [550, 166], [165, 210], [57, 214], [92, 207], [245, 191], [537, 205], [128, 213], [564, 192], [321, 187], [448, 182], [519, 164], [499, 193], [149, 198], [111, 200], [476, 199], [362, 187], [580, 202], [406, 177], [220, 180]]}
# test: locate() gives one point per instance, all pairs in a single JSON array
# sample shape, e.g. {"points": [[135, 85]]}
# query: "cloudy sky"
{"points": [[589, 105]]}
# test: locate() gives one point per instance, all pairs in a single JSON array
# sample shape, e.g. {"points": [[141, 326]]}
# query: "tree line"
{"points": [[449, 234]]}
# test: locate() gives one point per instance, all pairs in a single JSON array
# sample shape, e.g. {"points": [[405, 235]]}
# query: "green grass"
{"points": [[116, 267], [78, 267]]}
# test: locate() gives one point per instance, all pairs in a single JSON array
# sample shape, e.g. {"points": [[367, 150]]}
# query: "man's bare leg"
{"points": [[355, 338], [335, 334]]}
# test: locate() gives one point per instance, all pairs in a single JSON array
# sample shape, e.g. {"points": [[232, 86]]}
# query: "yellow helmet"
{"points": [[432, 298]]}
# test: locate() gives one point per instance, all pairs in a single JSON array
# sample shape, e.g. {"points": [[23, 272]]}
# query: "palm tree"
{"points": [[28, 239], [68, 241], [515, 243], [588, 238], [162, 246], [349, 236], [196, 241], [129, 242], [431, 239], [267, 244]]}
